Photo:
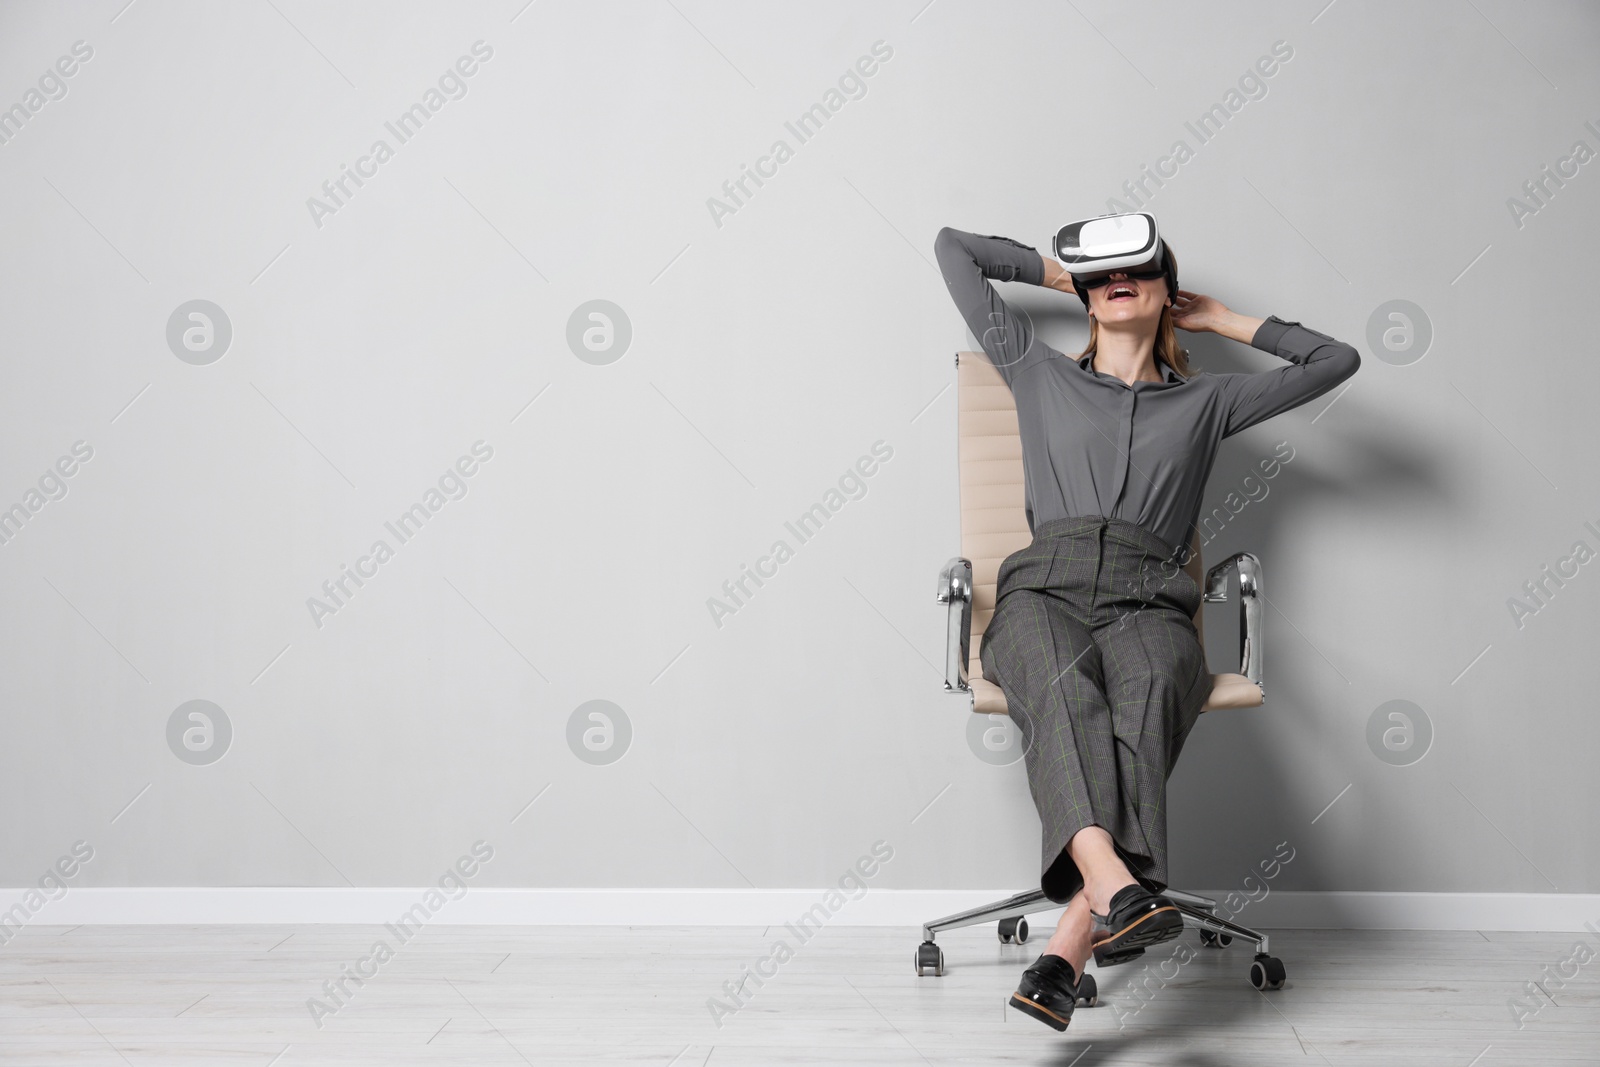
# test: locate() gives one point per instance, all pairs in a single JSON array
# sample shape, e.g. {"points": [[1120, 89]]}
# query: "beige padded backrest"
{"points": [[994, 521]]}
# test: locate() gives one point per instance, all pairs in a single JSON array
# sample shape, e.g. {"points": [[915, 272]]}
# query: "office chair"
{"points": [[994, 525]]}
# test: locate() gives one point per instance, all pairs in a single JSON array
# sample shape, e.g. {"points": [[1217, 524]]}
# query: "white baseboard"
{"points": [[762, 907]]}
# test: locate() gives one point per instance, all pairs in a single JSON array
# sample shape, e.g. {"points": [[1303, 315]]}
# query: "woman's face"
{"points": [[1125, 299]]}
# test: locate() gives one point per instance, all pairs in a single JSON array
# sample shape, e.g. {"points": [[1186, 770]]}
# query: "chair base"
{"points": [[1266, 972]]}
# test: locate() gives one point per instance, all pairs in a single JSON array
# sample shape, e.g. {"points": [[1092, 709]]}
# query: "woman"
{"points": [[1092, 639]]}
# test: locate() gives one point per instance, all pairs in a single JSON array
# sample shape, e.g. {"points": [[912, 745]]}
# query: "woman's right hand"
{"points": [[1197, 312]]}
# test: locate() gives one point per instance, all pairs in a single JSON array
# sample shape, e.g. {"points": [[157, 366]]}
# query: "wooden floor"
{"points": [[550, 995]]}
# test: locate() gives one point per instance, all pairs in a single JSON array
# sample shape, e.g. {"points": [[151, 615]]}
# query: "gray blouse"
{"points": [[1094, 445]]}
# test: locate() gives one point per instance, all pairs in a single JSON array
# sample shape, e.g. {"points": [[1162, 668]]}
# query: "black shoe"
{"points": [[1138, 919], [1048, 992]]}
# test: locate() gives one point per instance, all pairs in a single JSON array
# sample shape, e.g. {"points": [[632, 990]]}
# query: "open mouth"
{"points": [[1121, 292]]}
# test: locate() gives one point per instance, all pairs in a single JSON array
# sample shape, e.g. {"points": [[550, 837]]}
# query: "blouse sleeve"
{"points": [[968, 261], [1317, 364]]}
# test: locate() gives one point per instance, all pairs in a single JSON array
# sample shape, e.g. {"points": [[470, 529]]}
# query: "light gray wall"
{"points": [[770, 350]]}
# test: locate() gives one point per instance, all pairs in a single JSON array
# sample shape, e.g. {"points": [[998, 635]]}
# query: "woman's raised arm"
{"points": [[968, 261], [1318, 362]]}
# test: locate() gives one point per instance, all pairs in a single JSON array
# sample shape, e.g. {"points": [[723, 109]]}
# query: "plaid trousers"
{"points": [[1093, 643]]}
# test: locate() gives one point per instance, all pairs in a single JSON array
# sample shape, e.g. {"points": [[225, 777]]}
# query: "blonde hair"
{"points": [[1167, 347]]}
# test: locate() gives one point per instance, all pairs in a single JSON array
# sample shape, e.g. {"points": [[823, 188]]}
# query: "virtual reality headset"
{"points": [[1092, 249]]}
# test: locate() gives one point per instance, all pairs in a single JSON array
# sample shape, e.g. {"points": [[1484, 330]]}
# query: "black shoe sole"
{"points": [[1129, 943], [1040, 1012]]}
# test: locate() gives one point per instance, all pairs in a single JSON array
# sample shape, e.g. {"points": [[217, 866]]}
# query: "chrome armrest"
{"points": [[955, 589], [1250, 607]]}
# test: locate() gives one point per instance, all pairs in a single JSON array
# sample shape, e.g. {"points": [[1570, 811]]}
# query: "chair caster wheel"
{"points": [[930, 958], [1013, 931], [1267, 973], [1088, 994], [1214, 940]]}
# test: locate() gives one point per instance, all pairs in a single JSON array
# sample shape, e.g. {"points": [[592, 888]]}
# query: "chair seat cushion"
{"points": [[987, 699], [1227, 691], [1233, 691]]}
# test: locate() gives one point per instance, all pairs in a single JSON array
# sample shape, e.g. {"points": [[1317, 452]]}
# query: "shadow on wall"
{"points": [[1234, 795]]}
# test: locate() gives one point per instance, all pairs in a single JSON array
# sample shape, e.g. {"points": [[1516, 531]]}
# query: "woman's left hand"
{"points": [[1197, 312]]}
